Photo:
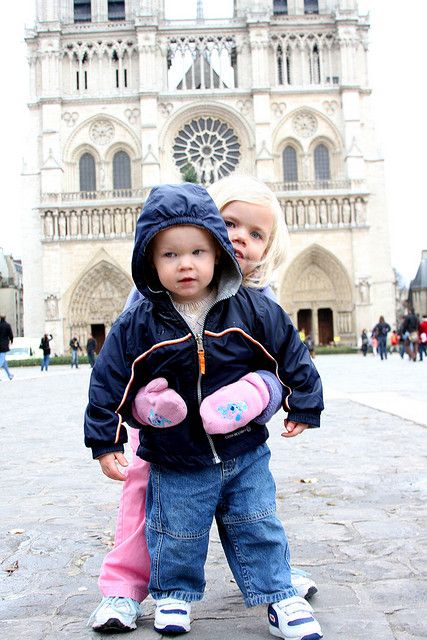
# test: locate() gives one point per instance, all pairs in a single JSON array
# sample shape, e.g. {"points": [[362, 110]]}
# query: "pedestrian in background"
{"points": [[365, 342], [422, 332], [410, 333], [75, 347], [309, 343], [6, 337], [91, 350], [45, 347], [380, 331], [394, 341]]}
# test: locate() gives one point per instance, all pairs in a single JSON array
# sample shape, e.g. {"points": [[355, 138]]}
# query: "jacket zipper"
{"points": [[202, 369]]}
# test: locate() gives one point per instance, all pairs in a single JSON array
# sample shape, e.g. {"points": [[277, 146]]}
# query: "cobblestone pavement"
{"points": [[352, 497]]}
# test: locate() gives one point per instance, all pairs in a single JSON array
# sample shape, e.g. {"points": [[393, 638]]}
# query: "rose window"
{"points": [[208, 146]]}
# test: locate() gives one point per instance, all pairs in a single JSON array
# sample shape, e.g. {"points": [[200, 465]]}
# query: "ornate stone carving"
{"points": [[278, 109], [360, 211], [101, 132], [165, 109], [70, 118], [244, 106], [304, 124], [364, 288], [330, 106], [51, 307], [132, 115]]}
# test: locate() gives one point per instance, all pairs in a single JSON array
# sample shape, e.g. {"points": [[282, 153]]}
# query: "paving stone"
{"points": [[351, 496]]}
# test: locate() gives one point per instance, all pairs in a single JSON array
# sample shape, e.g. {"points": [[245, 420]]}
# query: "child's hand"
{"points": [[293, 428], [109, 466]]}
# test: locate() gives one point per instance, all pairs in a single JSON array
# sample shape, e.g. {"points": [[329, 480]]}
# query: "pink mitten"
{"points": [[235, 405], [159, 406]]}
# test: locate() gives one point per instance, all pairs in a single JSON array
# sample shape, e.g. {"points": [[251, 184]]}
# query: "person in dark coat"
{"points": [[91, 350], [75, 348], [380, 332], [45, 347], [6, 337]]}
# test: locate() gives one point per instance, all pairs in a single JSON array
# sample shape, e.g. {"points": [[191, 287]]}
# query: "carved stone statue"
{"points": [[289, 215], [128, 221], [346, 211], [48, 226], [323, 212], [62, 225], [118, 221], [107, 222], [334, 212], [312, 214], [95, 223], [85, 223], [360, 212], [300, 213], [73, 224]]}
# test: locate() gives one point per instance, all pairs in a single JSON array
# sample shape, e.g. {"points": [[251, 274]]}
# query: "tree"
{"points": [[189, 173]]}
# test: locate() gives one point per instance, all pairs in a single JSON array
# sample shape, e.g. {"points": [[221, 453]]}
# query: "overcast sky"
{"points": [[397, 75]]}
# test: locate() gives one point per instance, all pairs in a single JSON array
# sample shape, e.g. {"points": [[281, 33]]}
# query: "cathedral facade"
{"points": [[123, 98]]}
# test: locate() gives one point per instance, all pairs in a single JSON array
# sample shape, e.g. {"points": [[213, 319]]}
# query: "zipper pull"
{"points": [[201, 354]]}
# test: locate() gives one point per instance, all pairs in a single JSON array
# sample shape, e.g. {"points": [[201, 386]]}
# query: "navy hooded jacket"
{"points": [[244, 331]]}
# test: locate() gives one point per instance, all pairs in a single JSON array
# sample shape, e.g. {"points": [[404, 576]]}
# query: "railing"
{"points": [[77, 196], [316, 185]]}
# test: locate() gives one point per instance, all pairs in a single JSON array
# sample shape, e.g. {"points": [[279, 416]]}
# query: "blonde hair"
{"points": [[253, 191]]}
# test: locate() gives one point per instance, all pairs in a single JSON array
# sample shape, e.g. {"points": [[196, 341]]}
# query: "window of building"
{"points": [[311, 6], [290, 165], [121, 171], [283, 65], [82, 11], [322, 169], [116, 10], [280, 7], [87, 173]]}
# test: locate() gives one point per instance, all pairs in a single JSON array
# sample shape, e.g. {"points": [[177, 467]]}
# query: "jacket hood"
{"points": [[177, 204]]}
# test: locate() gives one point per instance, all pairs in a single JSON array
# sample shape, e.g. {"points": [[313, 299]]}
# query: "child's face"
{"points": [[249, 228], [184, 257]]}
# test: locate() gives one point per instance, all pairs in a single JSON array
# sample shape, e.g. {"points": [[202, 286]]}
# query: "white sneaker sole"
{"points": [[278, 634]]}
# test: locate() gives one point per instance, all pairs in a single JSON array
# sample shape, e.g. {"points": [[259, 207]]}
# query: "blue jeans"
{"points": [[45, 362], [3, 365], [422, 350], [241, 495], [382, 346], [74, 358]]}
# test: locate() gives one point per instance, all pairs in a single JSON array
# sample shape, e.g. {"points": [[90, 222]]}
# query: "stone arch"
{"points": [[97, 298], [315, 281], [210, 110]]}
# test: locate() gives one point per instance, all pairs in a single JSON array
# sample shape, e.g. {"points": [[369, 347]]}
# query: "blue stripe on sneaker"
{"points": [[181, 612], [293, 623], [312, 636]]}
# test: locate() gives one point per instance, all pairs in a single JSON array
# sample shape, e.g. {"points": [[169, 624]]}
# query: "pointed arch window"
{"points": [[322, 169], [87, 172], [121, 171], [82, 11], [311, 6], [290, 165]]}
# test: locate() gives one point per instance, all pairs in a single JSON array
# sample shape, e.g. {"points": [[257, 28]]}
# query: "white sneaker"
{"points": [[172, 616], [292, 619], [115, 614], [305, 586]]}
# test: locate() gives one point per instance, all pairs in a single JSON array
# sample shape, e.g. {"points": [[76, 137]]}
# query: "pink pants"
{"points": [[126, 568]]}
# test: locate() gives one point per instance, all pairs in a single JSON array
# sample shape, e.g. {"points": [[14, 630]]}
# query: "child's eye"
{"points": [[198, 252], [169, 254], [229, 224], [256, 234]]}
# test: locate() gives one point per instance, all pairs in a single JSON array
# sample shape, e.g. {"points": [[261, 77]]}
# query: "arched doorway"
{"points": [[317, 294], [97, 301]]}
